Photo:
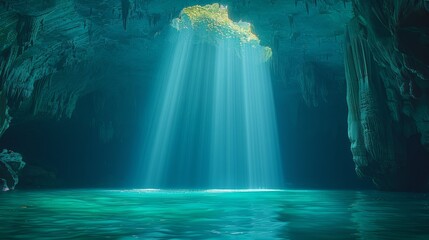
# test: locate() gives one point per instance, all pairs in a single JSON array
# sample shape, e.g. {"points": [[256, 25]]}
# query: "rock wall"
{"points": [[10, 165], [5, 118], [387, 75], [314, 83], [39, 39]]}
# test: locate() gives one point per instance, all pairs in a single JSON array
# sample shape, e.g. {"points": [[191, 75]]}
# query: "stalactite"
{"points": [[27, 28], [375, 127], [125, 12], [5, 118], [291, 20], [7, 59], [313, 85]]}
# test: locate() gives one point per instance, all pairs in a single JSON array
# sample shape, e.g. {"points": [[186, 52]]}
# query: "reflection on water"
{"points": [[155, 214]]}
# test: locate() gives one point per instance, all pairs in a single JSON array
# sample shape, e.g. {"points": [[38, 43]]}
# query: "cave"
{"points": [[233, 119]]}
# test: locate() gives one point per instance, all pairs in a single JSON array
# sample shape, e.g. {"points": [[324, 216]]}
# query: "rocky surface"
{"points": [[387, 73], [10, 165], [5, 118]]}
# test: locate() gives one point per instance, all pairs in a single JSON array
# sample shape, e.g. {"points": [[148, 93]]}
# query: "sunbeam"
{"points": [[214, 121]]}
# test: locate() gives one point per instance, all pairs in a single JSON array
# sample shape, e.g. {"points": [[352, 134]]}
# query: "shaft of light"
{"points": [[214, 121]]}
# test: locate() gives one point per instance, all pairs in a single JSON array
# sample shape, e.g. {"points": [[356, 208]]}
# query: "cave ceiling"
{"points": [[54, 52]]}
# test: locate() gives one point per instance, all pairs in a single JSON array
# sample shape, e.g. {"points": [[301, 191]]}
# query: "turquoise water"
{"points": [[115, 214]]}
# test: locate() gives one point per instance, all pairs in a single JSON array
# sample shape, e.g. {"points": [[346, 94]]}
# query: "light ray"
{"points": [[214, 122]]}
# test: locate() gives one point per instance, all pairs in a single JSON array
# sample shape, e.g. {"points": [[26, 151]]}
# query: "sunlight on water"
{"points": [[213, 123], [150, 190], [148, 214], [241, 190]]}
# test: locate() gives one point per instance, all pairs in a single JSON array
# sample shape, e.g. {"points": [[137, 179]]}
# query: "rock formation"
{"points": [[5, 118], [387, 74], [313, 84], [10, 165], [38, 41]]}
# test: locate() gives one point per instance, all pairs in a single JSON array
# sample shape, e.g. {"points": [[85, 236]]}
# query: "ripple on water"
{"points": [[216, 214]]}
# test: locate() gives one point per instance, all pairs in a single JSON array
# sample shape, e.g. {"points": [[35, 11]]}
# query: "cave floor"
{"points": [[159, 214]]}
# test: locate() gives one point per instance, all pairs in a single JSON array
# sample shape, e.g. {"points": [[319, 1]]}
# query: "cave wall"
{"points": [[81, 65], [387, 75], [39, 39]]}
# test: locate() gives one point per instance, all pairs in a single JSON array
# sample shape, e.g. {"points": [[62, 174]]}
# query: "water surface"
{"points": [[154, 214]]}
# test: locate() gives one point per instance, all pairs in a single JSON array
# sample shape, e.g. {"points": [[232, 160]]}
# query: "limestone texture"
{"points": [[10, 165], [387, 75]]}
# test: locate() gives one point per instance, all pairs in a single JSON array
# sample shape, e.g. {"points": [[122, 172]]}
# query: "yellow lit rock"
{"points": [[212, 23]]}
